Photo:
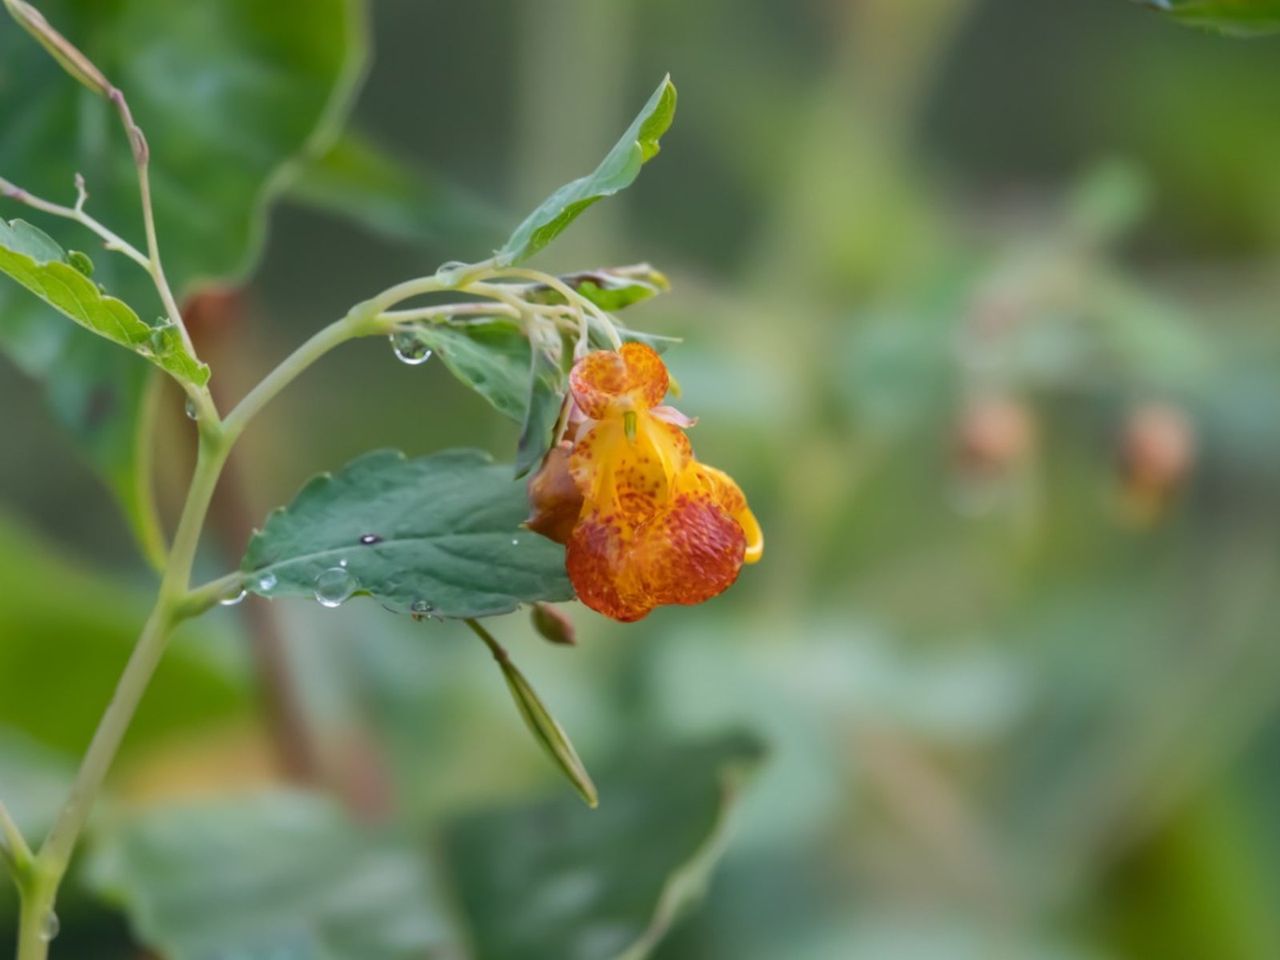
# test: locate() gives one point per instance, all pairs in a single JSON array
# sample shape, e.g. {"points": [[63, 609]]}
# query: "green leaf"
{"points": [[540, 721], [617, 171], [267, 876], [493, 357], [611, 289], [438, 536], [230, 94], [31, 257], [490, 355], [1243, 17], [552, 881], [546, 391]]}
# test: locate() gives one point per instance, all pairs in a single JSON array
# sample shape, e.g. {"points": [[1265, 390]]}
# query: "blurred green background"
{"points": [[979, 303]]}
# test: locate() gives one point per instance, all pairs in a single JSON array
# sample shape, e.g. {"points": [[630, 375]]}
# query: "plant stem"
{"points": [[450, 310], [36, 916], [76, 213], [172, 606], [13, 846], [334, 335]]}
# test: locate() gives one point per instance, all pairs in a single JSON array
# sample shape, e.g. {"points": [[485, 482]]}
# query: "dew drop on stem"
{"points": [[190, 408], [233, 597], [49, 926], [409, 349]]}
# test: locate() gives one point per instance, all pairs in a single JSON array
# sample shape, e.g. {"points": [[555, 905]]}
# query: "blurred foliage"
{"points": [[1004, 403]]}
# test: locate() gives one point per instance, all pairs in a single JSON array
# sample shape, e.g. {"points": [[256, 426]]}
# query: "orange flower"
{"points": [[645, 523]]}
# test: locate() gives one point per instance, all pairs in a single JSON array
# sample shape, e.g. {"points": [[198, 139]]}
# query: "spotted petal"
{"points": [[632, 378]]}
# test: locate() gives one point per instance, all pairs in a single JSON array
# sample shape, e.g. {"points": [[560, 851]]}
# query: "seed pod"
{"points": [[544, 727], [553, 625], [60, 48]]}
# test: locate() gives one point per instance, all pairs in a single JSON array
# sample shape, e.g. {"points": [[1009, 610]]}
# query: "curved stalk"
{"points": [[50, 863]]}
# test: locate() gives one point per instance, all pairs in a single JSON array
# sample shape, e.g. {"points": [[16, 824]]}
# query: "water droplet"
{"points": [[334, 587], [234, 597], [369, 539], [267, 582], [190, 408], [409, 349], [421, 608], [451, 270], [49, 926], [343, 563], [515, 541]]}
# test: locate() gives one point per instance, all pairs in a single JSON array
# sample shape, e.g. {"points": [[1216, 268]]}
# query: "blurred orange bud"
{"points": [[993, 434], [1157, 454]]}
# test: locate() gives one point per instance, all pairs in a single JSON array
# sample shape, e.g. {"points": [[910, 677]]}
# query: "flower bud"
{"points": [[554, 497], [1157, 454], [553, 625], [993, 434], [60, 48]]}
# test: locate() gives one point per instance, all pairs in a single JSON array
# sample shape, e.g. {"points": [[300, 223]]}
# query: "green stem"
{"points": [[40, 876], [13, 846], [76, 213], [294, 365], [36, 918], [146, 514], [50, 864]]}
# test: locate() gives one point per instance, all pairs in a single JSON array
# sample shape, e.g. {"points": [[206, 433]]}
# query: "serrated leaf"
{"points": [[438, 535], [266, 876], [616, 172], [31, 257], [1243, 17], [549, 880]]}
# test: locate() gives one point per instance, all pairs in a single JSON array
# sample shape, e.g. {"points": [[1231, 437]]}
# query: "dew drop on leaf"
{"points": [[369, 539], [409, 349], [334, 587], [267, 582], [421, 608]]}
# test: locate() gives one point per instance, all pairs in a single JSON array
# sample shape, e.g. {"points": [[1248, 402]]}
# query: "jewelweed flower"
{"points": [[644, 523]]}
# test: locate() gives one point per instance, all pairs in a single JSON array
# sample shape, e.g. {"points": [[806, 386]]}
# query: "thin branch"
{"points": [[14, 847], [575, 300], [335, 334], [450, 310], [113, 241], [142, 164]]}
